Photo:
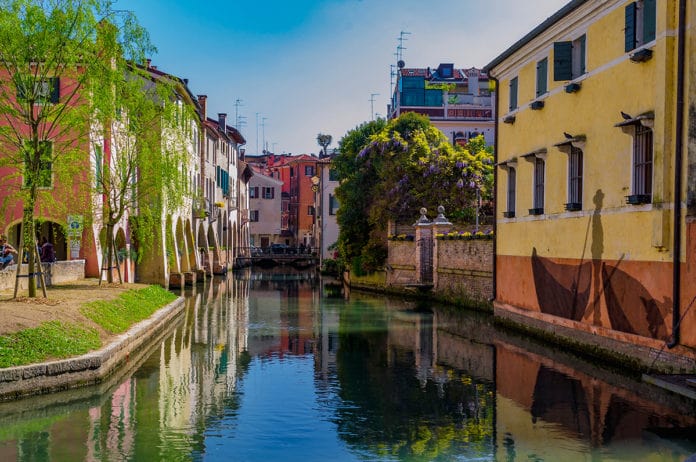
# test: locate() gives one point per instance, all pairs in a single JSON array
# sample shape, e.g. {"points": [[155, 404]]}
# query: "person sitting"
{"points": [[48, 254], [7, 252]]}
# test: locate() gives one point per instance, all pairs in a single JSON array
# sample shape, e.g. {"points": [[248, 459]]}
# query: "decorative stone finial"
{"points": [[423, 220], [441, 219]]}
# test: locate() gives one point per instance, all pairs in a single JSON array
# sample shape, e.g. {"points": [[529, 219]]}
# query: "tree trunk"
{"points": [[29, 244], [110, 257]]}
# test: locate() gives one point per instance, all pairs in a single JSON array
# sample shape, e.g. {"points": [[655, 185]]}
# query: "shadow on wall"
{"points": [[563, 289]]}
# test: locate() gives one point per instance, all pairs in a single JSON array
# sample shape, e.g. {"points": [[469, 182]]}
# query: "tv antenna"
{"points": [[237, 118], [372, 104], [400, 48], [394, 69]]}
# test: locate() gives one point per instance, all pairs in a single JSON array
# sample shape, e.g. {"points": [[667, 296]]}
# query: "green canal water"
{"points": [[280, 366]]}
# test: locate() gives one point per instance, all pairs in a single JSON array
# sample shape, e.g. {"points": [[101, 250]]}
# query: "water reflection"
{"points": [[273, 366]]}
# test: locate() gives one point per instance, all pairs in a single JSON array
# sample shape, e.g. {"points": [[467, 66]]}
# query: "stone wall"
{"points": [[55, 273], [464, 269], [401, 262]]}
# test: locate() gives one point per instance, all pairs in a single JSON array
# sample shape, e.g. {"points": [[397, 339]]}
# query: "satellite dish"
{"points": [[401, 64]]}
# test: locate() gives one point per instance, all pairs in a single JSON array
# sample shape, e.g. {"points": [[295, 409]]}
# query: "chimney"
{"points": [[222, 122], [204, 107], [186, 82], [149, 62]]}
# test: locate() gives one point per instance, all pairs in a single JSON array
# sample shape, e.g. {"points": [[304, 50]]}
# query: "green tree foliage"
{"points": [[389, 171], [324, 141], [358, 179], [69, 86], [150, 121], [50, 60]]}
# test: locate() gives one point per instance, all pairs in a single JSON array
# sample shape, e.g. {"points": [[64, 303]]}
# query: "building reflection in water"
{"points": [[396, 380]]}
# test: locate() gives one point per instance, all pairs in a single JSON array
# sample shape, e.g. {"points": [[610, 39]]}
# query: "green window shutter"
{"points": [[21, 88], [46, 164], [54, 85], [217, 175], [98, 160], [513, 94], [649, 20], [562, 61], [583, 49], [630, 27], [542, 73]]}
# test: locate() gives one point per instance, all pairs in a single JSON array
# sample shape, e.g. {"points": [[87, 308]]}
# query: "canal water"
{"points": [[281, 366]]}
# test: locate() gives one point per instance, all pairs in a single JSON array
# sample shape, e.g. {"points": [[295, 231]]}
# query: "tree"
{"points": [[151, 121], [358, 179], [389, 172], [324, 141], [52, 61]]}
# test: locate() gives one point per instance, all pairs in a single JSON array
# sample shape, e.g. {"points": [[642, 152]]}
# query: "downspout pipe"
{"points": [[495, 189], [678, 171]]}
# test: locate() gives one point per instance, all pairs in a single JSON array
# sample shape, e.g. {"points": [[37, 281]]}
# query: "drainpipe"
{"points": [[678, 170], [495, 186]]}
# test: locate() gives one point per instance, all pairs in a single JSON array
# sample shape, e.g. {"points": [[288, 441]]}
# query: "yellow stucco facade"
{"points": [[586, 137]]}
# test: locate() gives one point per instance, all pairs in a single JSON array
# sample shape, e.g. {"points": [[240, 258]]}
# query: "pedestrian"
{"points": [[48, 253], [7, 252]]}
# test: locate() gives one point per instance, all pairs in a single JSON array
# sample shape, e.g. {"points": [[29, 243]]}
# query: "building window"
{"points": [[43, 178], [309, 170], [511, 193], [292, 172], [539, 172], [640, 23], [333, 175], [268, 193], [569, 59], [513, 94], [45, 90], [542, 77], [642, 164], [310, 210], [253, 215], [333, 204], [254, 192], [574, 179]]}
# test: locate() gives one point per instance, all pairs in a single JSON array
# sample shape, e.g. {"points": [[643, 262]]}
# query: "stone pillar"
{"points": [[441, 225], [424, 237]]}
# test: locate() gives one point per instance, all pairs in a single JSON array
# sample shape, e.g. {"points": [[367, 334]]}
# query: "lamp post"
{"points": [[318, 211]]}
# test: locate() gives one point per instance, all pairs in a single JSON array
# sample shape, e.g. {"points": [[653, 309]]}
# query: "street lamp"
{"points": [[318, 211]]}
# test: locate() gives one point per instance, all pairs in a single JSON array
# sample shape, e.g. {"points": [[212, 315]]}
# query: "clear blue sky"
{"points": [[311, 66]]}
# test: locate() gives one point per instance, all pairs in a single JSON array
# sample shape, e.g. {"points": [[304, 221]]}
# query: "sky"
{"points": [[291, 69]]}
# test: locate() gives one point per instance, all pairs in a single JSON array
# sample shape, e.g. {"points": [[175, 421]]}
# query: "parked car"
{"points": [[256, 251], [279, 248]]}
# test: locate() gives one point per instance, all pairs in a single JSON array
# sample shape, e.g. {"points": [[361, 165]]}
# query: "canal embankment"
{"points": [[457, 268], [95, 367]]}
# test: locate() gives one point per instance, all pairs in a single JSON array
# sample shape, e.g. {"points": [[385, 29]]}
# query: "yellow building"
{"points": [[590, 129]]}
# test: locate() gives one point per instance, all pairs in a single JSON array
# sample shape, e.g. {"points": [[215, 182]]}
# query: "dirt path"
{"points": [[62, 304]]}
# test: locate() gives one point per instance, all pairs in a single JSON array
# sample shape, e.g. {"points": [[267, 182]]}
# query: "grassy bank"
{"points": [[59, 340]]}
